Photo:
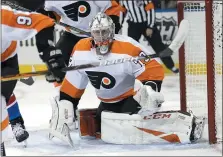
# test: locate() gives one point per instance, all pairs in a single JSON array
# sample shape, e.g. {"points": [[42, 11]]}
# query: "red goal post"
{"points": [[200, 63]]}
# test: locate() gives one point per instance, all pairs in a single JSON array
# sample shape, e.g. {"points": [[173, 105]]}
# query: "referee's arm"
{"points": [[151, 17]]}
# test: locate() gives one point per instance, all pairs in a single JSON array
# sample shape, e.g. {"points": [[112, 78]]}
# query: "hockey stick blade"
{"points": [[28, 81], [178, 40], [78, 67]]}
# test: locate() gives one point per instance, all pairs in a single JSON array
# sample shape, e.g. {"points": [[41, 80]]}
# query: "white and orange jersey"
{"points": [[115, 82], [79, 13], [19, 25]]}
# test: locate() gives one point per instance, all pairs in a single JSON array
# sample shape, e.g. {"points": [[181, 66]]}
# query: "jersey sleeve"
{"points": [[74, 84], [19, 25], [145, 70], [75, 81]]}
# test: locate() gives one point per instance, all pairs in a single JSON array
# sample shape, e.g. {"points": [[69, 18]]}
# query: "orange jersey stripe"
{"points": [[8, 52], [38, 21], [123, 96], [70, 90], [154, 71], [149, 6], [5, 123], [83, 45], [121, 47]]}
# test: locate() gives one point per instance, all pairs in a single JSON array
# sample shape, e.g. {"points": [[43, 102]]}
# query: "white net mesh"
{"points": [[195, 60], [217, 25]]}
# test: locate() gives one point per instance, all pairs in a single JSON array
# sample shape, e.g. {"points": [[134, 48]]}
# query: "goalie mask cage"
{"points": [[200, 61]]}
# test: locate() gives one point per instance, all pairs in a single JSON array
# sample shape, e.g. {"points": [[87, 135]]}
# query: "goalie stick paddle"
{"points": [[174, 46]]}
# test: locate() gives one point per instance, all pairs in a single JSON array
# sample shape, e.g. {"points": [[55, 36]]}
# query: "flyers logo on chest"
{"points": [[77, 9], [101, 79]]}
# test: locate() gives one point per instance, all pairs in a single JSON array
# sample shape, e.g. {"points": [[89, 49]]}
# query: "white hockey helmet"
{"points": [[102, 31]]}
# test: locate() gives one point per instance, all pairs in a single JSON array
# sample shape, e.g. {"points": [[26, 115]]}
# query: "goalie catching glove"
{"points": [[149, 100], [55, 63]]}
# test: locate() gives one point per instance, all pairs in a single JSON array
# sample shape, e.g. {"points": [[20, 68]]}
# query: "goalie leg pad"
{"points": [[160, 127], [54, 101], [63, 114], [88, 125]]}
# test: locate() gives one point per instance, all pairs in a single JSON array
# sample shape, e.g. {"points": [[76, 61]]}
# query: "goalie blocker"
{"points": [[160, 127]]}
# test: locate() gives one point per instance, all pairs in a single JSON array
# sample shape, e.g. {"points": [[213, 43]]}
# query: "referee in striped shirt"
{"points": [[141, 21]]}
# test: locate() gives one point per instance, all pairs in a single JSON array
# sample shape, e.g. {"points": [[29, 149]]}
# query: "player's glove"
{"points": [[149, 100], [54, 60]]}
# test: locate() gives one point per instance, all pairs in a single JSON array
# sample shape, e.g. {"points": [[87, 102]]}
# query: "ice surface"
{"points": [[36, 110]]}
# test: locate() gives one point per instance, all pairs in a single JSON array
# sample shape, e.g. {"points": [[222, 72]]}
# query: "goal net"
{"points": [[201, 63]]}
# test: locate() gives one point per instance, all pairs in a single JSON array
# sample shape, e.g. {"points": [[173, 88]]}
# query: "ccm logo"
{"points": [[157, 116]]}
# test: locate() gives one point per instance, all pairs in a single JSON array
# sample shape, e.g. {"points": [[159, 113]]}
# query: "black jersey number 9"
{"points": [[24, 20], [77, 9]]}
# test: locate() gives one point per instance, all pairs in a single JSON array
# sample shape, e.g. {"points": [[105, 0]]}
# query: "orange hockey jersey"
{"points": [[19, 25]]}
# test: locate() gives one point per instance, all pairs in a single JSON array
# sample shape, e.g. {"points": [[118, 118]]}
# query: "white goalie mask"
{"points": [[102, 31]]}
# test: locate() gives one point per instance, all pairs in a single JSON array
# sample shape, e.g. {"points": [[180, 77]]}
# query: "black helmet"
{"points": [[26, 5]]}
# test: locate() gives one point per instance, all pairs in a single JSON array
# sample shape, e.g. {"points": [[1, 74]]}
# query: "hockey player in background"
{"points": [[124, 109], [18, 22], [77, 14]]}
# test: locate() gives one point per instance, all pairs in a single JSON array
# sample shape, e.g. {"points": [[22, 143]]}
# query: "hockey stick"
{"points": [[78, 67], [178, 40], [74, 28], [28, 81], [174, 46]]}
